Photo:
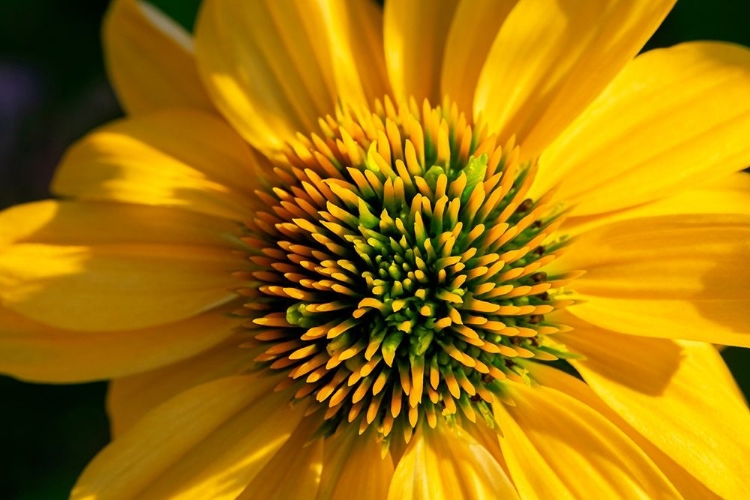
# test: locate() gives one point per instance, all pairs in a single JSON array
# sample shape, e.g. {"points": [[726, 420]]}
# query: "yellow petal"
{"points": [[557, 447], [679, 395], [685, 483], [415, 33], [489, 439], [116, 268], [354, 468], [553, 57], [177, 158], [727, 195], [113, 288], [445, 464], [150, 60], [354, 29], [669, 276], [37, 353], [100, 223], [129, 398], [294, 471], [208, 442], [261, 66], [472, 31], [273, 68], [673, 119]]}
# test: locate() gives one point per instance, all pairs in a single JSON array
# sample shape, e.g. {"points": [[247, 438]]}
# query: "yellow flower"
{"points": [[339, 252]]}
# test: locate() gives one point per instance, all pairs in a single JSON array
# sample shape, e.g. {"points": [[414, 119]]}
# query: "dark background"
{"points": [[52, 91]]}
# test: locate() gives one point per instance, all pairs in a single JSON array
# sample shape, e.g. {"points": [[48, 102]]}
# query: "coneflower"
{"points": [[451, 249]]}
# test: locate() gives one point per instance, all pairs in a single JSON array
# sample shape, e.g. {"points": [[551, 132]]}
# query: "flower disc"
{"points": [[398, 272]]}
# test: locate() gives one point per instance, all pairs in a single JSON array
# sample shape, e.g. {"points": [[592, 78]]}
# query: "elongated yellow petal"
{"points": [[129, 398], [354, 31], [557, 447], [353, 467], [727, 195], [489, 439], [415, 34], [669, 276], [552, 58], [175, 158], [150, 60], [447, 463], [262, 68], [294, 471], [680, 395], [127, 269], [685, 483], [34, 352], [209, 442], [89, 288], [673, 119], [472, 31], [273, 68], [721, 322], [89, 223]]}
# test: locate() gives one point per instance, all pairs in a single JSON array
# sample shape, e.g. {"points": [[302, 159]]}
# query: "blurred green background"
{"points": [[52, 91]]}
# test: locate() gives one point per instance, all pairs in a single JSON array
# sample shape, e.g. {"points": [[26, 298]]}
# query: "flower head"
{"points": [[445, 250], [398, 267]]}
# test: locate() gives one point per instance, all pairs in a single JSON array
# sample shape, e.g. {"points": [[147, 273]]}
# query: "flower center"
{"points": [[399, 272]]}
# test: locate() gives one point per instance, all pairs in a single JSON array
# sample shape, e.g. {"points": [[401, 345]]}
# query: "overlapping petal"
{"points": [[129, 398], [472, 31], [354, 31], [727, 195], [151, 60], [687, 484], [35, 352], [274, 68], [672, 393], [415, 34], [70, 222], [447, 463], [671, 276], [209, 442], [177, 158], [128, 267], [552, 58], [557, 447], [354, 467], [293, 472], [672, 120]]}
